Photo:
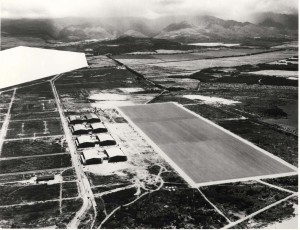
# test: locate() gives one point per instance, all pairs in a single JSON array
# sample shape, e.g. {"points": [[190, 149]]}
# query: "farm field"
{"points": [[170, 68], [34, 116], [40, 215], [34, 163], [33, 128], [29, 147], [100, 61], [22, 106], [16, 194], [189, 141]]}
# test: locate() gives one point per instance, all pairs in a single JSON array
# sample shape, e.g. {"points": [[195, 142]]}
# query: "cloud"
{"points": [[227, 9]]}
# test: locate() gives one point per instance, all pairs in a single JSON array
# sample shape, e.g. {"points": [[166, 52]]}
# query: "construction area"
{"points": [[107, 147]]}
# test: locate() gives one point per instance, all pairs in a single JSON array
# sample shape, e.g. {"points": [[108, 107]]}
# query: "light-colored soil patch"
{"points": [[131, 90], [277, 73], [211, 100], [108, 97]]}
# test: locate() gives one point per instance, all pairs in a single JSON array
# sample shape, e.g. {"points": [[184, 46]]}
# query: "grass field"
{"points": [[33, 147], [174, 65], [166, 209], [21, 106], [35, 115], [33, 128], [41, 91], [39, 215], [204, 152], [36, 163], [28, 175], [237, 200], [69, 189], [14, 194], [280, 144]]}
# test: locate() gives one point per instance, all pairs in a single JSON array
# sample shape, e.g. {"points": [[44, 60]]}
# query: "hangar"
{"points": [[98, 128], [84, 141], [92, 118], [115, 155], [105, 139], [92, 156], [79, 129], [75, 119]]}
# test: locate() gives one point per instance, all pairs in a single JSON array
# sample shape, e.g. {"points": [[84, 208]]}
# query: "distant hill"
{"points": [[178, 28], [288, 21], [212, 28]]}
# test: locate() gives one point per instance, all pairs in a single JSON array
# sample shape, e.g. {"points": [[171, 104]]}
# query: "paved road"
{"points": [[6, 122], [200, 150], [84, 185]]}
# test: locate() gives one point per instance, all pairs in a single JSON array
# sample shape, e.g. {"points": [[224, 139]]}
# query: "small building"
{"points": [[92, 118], [98, 128], [115, 155], [79, 129], [92, 156], [75, 119], [44, 178], [84, 141], [105, 139]]}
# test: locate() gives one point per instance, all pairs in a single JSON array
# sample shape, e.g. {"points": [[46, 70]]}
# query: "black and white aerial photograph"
{"points": [[149, 114]]}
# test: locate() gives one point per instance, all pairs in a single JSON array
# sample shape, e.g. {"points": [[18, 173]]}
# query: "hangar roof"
{"points": [[114, 152], [24, 64], [75, 118], [85, 139], [92, 154], [98, 126], [91, 116], [105, 137], [79, 127]]}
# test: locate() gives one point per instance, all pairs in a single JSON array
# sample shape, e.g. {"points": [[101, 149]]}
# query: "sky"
{"points": [[226, 9]]}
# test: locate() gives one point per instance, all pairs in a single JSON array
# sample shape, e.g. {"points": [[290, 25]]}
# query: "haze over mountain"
{"points": [[180, 28]]}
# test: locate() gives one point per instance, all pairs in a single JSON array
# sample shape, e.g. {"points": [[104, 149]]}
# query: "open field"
{"points": [[173, 68], [238, 200], [35, 115], [69, 189], [17, 194], [22, 106], [190, 141], [33, 128], [23, 176], [5, 97], [290, 183], [34, 163], [40, 215], [33, 147], [182, 208], [100, 62], [282, 216], [40, 91], [280, 144]]}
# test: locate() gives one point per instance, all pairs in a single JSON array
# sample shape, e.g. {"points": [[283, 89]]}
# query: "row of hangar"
{"points": [[91, 133]]}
